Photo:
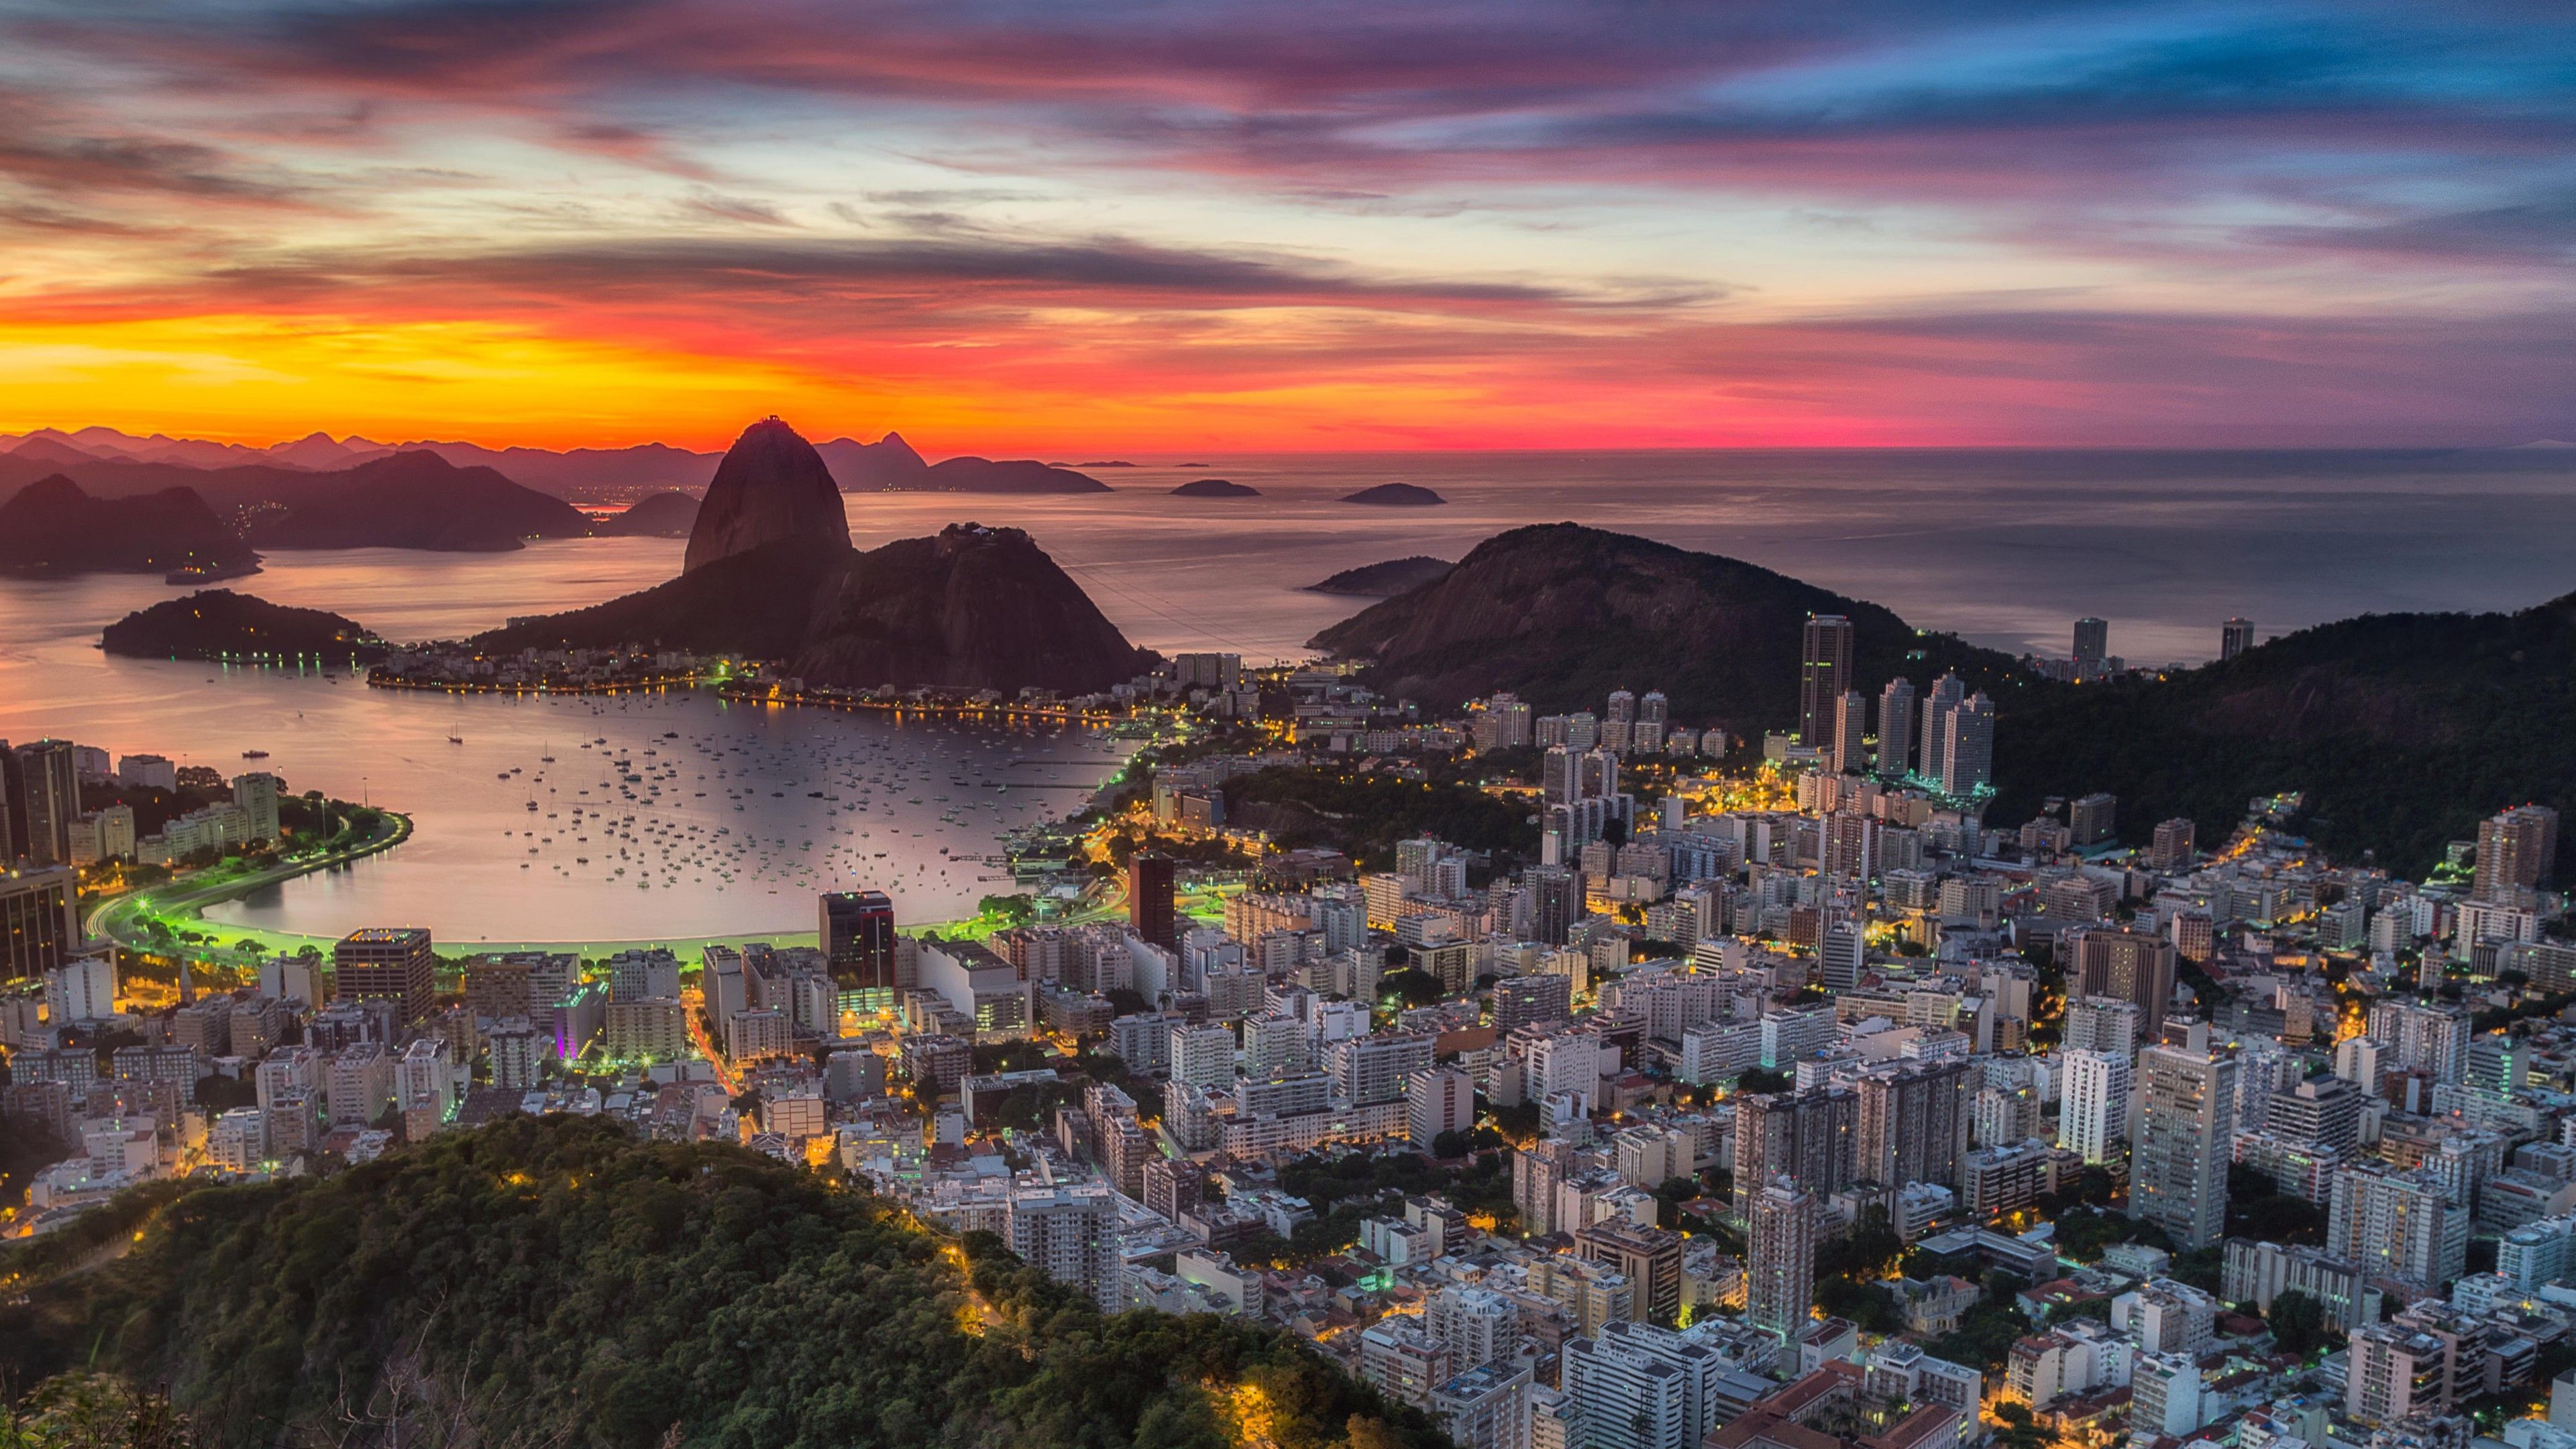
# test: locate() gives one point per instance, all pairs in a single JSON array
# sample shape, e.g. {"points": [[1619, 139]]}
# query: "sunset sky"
{"points": [[1081, 225]]}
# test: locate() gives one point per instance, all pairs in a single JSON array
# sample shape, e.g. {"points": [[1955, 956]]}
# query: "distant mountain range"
{"points": [[105, 458]]}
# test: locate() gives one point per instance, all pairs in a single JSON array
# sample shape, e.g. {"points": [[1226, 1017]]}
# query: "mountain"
{"points": [[564, 1281], [759, 604], [1385, 580], [1562, 615], [659, 515], [1395, 495], [974, 608], [889, 462], [52, 526], [415, 500], [1008, 475], [771, 488], [1215, 488], [2403, 731], [220, 624], [321, 452]]}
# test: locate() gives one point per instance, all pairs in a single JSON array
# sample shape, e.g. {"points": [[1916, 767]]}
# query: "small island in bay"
{"points": [[1395, 495], [669, 514], [1215, 488], [1385, 580], [220, 624]]}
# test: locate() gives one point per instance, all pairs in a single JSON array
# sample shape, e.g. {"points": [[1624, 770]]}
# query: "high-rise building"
{"points": [[256, 793], [2102, 1024], [1895, 729], [1824, 672], [2130, 966], [1934, 737], [1649, 1258], [2235, 637], [2172, 849], [47, 800], [39, 921], [2517, 851], [1968, 747], [1556, 902], [1780, 1281], [2396, 1372], [1635, 1386], [2093, 1115], [1912, 1124], [1840, 954], [1851, 733], [858, 939], [1440, 1100], [1149, 898], [2397, 1224], [1069, 1232], [2092, 819], [390, 963], [2186, 1131], [2092, 646], [1811, 1137]]}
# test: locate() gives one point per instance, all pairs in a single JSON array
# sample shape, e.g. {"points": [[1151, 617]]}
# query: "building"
{"points": [[2093, 819], [1438, 1101], [1780, 1282], [1911, 1124], [1811, 1137], [2131, 966], [1649, 1258], [1149, 898], [2186, 1132], [1635, 1386], [2234, 638], [2397, 1373], [2093, 1115], [1848, 751], [2397, 1225], [1895, 729], [653, 1029], [386, 963], [256, 796], [1069, 1232], [2261, 1272], [39, 923], [1824, 673], [43, 801], [2092, 647], [2517, 852], [1968, 747], [858, 939], [2172, 847]]}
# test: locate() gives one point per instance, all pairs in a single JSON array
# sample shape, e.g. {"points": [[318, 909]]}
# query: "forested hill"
{"points": [[2403, 730], [558, 1281]]}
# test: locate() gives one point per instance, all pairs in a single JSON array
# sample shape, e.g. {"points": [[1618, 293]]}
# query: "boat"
{"points": [[254, 754], [456, 739]]}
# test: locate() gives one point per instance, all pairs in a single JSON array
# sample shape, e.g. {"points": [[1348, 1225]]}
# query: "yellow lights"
{"points": [[1249, 1412]]}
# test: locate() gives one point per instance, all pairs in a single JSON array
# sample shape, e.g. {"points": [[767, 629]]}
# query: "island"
{"points": [[1395, 495], [1385, 580], [1215, 488], [220, 624], [669, 514], [54, 526]]}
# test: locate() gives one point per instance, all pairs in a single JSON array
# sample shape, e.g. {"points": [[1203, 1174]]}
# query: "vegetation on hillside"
{"points": [[559, 1281]]}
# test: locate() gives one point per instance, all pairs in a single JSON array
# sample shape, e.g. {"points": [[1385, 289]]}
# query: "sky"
{"points": [[1094, 225]]}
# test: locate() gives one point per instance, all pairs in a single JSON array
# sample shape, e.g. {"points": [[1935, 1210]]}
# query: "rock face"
{"points": [[1562, 615], [218, 623], [976, 608], [771, 488], [660, 515], [1215, 488], [417, 500], [1396, 495], [1385, 580], [52, 526]]}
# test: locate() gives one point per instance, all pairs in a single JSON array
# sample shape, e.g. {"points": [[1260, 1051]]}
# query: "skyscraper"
{"points": [[1912, 1124], [48, 800], [1895, 729], [2173, 844], [1824, 672], [2129, 966], [1149, 898], [2235, 637], [2094, 1119], [1851, 732], [858, 939], [39, 924], [389, 962], [1810, 1137], [2186, 1130], [1968, 747], [256, 793], [2517, 850], [2092, 646], [1947, 692], [1780, 1283], [1556, 902]]}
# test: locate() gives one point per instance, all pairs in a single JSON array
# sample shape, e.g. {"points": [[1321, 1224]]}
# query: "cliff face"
{"points": [[975, 607], [771, 488], [1562, 615], [52, 525]]}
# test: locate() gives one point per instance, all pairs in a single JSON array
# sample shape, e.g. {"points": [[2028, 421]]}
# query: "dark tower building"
{"points": [[1824, 672], [47, 799], [393, 963], [857, 933], [1149, 898]]}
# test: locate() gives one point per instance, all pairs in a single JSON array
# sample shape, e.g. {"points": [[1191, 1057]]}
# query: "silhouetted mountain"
{"points": [[662, 515], [1385, 580], [889, 462], [1562, 615], [759, 603], [1215, 488], [1008, 475], [415, 500], [220, 624], [772, 488], [53, 526], [1395, 495], [976, 608], [2403, 731]]}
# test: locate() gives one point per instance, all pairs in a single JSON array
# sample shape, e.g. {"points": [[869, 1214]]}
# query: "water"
{"points": [[2005, 548]]}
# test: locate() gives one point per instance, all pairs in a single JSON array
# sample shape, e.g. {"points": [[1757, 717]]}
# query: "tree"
{"points": [[2298, 1322]]}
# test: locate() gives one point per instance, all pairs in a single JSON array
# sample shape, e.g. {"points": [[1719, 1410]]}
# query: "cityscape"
{"points": [[1128, 725]]}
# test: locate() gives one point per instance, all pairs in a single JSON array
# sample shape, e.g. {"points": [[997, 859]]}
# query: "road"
{"points": [[122, 918]]}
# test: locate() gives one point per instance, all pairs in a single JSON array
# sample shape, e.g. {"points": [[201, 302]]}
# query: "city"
{"points": [[1733, 1093]]}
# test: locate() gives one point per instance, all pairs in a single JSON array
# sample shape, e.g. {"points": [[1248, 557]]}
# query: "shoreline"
{"points": [[116, 919]]}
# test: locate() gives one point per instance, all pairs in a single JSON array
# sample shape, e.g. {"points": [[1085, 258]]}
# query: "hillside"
{"points": [[559, 1281], [668, 514], [219, 624], [757, 604], [414, 500], [55, 526], [1562, 615], [1385, 580], [2403, 730]]}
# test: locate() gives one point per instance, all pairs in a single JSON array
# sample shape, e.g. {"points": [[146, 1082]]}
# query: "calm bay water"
{"points": [[2006, 548]]}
